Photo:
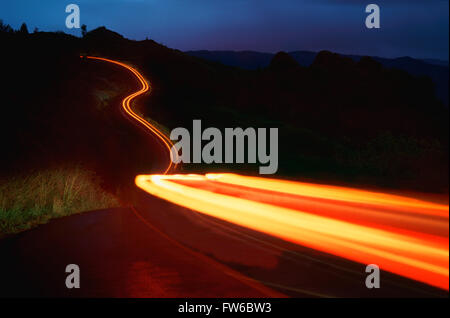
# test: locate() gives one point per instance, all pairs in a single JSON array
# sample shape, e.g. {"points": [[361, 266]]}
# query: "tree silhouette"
{"points": [[23, 28], [83, 30], [5, 27]]}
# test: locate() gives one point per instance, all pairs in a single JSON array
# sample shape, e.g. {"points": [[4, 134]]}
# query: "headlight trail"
{"points": [[126, 105], [275, 207], [402, 235]]}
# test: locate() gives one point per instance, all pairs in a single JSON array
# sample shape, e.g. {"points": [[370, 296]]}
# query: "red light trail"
{"points": [[402, 235], [126, 105]]}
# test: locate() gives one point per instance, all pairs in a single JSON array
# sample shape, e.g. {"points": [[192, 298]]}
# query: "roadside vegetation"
{"points": [[29, 200]]}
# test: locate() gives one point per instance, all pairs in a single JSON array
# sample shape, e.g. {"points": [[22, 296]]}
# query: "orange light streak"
{"points": [[419, 256], [395, 232], [126, 105]]}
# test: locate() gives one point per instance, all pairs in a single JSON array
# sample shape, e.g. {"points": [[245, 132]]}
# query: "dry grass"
{"points": [[30, 200]]}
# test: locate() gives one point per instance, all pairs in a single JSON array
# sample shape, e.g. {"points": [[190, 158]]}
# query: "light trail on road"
{"points": [[126, 105], [402, 235], [356, 225]]}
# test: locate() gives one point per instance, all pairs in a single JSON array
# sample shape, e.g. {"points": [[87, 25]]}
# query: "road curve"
{"points": [[256, 288], [126, 106], [119, 253], [405, 236]]}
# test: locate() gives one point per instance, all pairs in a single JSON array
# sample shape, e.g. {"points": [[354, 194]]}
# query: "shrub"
{"points": [[29, 200]]}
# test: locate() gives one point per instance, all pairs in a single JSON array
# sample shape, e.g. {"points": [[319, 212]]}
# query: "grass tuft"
{"points": [[29, 200]]}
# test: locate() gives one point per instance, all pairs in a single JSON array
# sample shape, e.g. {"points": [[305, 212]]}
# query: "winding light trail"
{"points": [[126, 105], [402, 235]]}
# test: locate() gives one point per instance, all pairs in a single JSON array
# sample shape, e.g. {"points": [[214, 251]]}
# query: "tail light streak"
{"points": [[419, 256], [365, 235]]}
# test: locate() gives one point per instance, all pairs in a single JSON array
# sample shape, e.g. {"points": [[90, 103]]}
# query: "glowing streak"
{"points": [[331, 192], [126, 105], [418, 256], [258, 206]]}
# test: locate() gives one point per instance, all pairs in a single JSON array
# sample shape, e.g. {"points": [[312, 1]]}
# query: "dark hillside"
{"points": [[59, 110], [338, 119]]}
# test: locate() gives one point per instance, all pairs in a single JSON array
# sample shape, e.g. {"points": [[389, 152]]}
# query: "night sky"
{"points": [[417, 28]]}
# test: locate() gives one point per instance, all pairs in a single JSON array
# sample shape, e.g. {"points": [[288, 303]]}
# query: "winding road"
{"points": [[228, 235]]}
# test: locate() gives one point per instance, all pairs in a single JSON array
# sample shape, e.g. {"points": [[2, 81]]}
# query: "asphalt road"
{"points": [[119, 255], [158, 249]]}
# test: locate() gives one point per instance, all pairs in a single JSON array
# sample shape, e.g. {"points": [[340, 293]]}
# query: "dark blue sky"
{"points": [[418, 28]]}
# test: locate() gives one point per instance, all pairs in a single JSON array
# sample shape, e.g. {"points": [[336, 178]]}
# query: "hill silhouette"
{"points": [[283, 62], [339, 119], [437, 70]]}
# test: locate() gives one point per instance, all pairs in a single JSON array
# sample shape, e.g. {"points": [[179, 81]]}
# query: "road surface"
{"points": [[234, 236]]}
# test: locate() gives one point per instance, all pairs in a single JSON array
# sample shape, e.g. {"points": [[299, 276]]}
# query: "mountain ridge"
{"points": [[437, 70]]}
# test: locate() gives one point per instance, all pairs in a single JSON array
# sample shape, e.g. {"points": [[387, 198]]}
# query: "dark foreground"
{"points": [[118, 256], [161, 250]]}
